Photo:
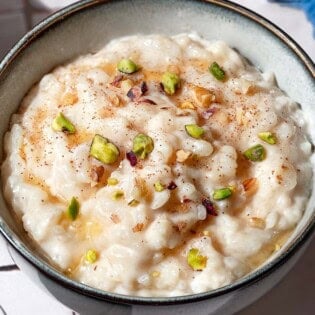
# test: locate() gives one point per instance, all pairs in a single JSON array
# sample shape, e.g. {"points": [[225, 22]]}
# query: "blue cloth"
{"points": [[307, 5]]}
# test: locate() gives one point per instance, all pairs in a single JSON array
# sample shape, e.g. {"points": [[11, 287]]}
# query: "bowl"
{"points": [[87, 26]]}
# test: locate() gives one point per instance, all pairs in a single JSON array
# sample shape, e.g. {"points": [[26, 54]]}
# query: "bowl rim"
{"points": [[86, 290]]}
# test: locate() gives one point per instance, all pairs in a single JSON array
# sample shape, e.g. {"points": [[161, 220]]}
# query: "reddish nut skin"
{"points": [[209, 207], [97, 173], [117, 80], [132, 158], [136, 92], [208, 113], [146, 100], [171, 186]]}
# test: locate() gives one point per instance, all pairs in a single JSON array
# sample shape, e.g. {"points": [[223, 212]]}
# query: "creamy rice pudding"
{"points": [[159, 166]]}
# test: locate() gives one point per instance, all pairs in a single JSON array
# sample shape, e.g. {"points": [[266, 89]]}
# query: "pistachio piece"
{"points": [[103, 150], [111, 181], [133, 203], [117, 195], [268, 137], [127, 66], [194, 131], [158, 186], [142, 145], [90, 256], [195, 260], [217, 71], [61, 123], [73, 209], [222, 193], [256, 153], [170, 82]]}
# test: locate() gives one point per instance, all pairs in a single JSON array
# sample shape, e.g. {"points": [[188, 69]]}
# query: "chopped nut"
{"points": [[187, 105], [217, 71], [112, 181], [158, 186], [90, 256], [171, 186], [117, 194], [61, 123], [257, 223], [268, 137], [256, 153], [115, 218], [138, 227], [132, 158], [194, 131], [250, 185], [182, 156], [170, 82], [103, 150], [222, 193], [209, 207], [133, 203], [127, 66], [97, 173], [126, 85], [142, 145], [202, 97], [117, 80], [196, 261], [73, 209], [114, 100]]}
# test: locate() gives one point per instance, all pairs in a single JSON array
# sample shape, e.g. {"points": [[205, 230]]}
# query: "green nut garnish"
{"points": [[117, 194], [73, 209], [133, 203], [103, 150], [112, 181], [194, 131], [195, 260], [268, 137], [170, 82], [127, 66], [90, 256], [61, 123], [256, 153], [222, 193], [158, 186], [217, 71], [142, 145]]}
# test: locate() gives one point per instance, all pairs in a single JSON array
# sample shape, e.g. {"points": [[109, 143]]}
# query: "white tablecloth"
{"points": [[293, 296]]}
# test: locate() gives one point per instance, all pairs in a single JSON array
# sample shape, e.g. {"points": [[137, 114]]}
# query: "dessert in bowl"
{"points": [[159, 167]]}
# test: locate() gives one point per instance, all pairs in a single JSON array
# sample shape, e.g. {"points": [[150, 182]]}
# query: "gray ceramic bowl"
{"points": [[85, 27]]}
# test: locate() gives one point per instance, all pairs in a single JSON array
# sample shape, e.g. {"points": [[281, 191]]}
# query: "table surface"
{"points": [[294, 295]]}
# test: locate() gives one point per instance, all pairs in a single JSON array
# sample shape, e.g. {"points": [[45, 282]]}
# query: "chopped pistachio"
{"points": [[117, 194], [73, 209], [91, 256], [127, 66], [61, 123], [222, 193], [158, 186], [126, 85], [142, 145], [194, 131], [217, 71], [256, 153], [111, 181], [195, 260], [268, 137], [103, 150], [170, 82], [133, 203]]}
